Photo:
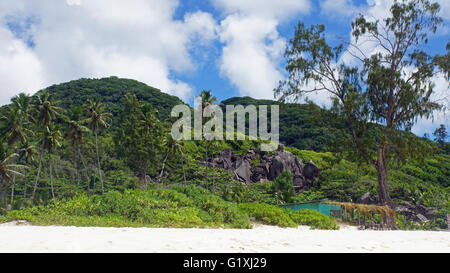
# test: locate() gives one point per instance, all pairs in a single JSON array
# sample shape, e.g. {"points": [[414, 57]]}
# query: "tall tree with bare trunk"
{"points": [[392, 85]]}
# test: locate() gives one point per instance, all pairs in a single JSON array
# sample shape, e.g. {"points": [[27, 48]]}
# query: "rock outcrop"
{"points": [[256, 167], [367, 199], [415, 212]]}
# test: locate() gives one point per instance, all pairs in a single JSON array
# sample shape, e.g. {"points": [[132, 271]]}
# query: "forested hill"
{"points": [[110, 91], [302, 126]]}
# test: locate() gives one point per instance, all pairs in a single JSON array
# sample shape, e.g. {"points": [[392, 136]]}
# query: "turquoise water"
{"points": [[327, 209]]}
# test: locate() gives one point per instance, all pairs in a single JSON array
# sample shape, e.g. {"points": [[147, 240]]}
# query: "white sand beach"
{"points": [[25, 238]]}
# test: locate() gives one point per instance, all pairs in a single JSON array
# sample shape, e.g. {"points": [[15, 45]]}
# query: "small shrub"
{"points": [[312, 218], [283, 188], [267, 214]]}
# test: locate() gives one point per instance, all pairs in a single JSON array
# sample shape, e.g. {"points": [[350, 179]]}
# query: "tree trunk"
{"points": [[98, 163], [213, 179], [383, 194], [207, 165], [145, 180], [25, 186], [85, 170], [12, 189], [2, 192], [51, 178], [39, 171], [164, 164], [184, 172]]}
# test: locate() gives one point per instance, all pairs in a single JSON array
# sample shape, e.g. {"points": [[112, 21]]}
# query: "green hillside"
{"points": [[110, 91], [301, 125], [137, 153]]}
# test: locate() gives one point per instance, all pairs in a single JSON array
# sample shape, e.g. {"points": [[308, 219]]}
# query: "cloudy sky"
{"points": [[233, 47]]}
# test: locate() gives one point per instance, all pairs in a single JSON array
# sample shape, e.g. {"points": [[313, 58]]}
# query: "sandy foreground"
{"points": [[15, 237]]}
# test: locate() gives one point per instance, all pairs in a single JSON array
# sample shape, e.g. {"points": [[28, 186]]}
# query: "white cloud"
{"points": [[280, 9], [442, 96], [343, 9], [138, 39], [253, 48], [20, 70], [251, 54]]}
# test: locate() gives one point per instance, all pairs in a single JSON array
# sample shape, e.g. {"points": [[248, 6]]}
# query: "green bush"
{"points": [[155, 208], [283, 188], [267, 214], [219, 210], [308, 196], [312, 218]]}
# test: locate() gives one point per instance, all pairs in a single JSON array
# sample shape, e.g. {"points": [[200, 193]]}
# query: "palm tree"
{"points": [[7, 167], [23, 103], [173, 147], [15, 128], [148, 128], [180, 148], [26, 154], [207, 100], [97, 121], [47, 111], [75, 135], [53, 140]]}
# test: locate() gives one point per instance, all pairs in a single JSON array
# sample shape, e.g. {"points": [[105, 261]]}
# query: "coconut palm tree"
{"points": [[173, 148], [207, 100], [16, 126], [180, 149], [26, 154], [75, 134], [8, 168], [53, 138], [97, 121], [47, 111], [23, 103]]}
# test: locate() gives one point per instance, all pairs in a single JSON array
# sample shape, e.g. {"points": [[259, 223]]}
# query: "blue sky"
{"points": [[232, 47]]}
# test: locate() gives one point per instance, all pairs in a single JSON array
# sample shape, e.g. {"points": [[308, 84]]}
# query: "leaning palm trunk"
{"points": [[85, 169], [98, 163], [164, 164], [39, 171], [184, 172], [213, 179], [25, 186], [207, 166], [51, 178], [13, 189], [2, 192]]}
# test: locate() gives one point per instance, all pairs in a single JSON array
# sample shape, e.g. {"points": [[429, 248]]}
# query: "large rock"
{"points": [[415, 212], [256, 167], [285, 160], [243, 171], [367, 199], [311, 171]]}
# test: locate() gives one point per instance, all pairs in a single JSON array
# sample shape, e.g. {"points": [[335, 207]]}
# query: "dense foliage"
{"points": [[301, 125], [152, 208], [90, 163], [393, 85], [110, 91]]}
